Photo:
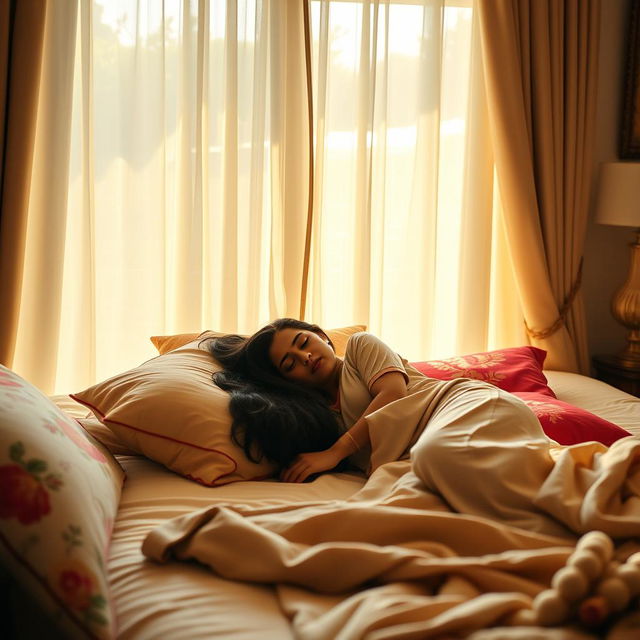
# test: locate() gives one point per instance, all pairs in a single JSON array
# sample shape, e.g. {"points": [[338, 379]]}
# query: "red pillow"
{"points": [[512, 369], [567, 424]]}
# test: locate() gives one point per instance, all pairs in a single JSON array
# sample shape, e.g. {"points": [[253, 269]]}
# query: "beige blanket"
{"points": [[395, 562]]}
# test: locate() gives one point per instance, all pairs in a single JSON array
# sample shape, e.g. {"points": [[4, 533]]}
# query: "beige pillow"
{"points": [[59, 494], [105, 436], [164, 344], [169, 410]]}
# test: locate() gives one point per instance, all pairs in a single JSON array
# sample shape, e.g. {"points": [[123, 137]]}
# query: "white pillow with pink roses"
{"points": [[59, 493]]}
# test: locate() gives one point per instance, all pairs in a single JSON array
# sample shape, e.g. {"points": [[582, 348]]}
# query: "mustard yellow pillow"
{"points": [[169, 410], [164, 344], [340, 336]]}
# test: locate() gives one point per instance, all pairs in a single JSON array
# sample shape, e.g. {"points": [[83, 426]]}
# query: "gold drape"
{"points": [[21, 39], [541, 61]]}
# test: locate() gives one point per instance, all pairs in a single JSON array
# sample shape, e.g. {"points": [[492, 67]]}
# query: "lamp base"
{"points": [[629, 358], [625, 308]]}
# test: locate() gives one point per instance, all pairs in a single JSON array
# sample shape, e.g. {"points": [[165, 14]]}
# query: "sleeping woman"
{"points": [[480, 448]]}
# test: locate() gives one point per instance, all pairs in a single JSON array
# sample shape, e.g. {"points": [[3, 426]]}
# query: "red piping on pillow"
{"points": [[188, 444], [91, 436]]}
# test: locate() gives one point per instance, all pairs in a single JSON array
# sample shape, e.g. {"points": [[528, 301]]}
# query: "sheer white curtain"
{"points": [[171, 180], [172, 170], [406, 235]]}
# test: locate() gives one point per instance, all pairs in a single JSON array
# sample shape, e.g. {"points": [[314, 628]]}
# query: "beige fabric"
{"points": [[366, 359], [540, 60], [395, 555], [169, 410], [154, 601], [391, 561], [105, 436], [185, 600], [92, 425], [141, 150], [21, 46], [403, 197], [136, 163]]}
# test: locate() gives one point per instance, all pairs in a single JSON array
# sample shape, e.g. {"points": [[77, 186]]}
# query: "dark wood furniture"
{"points": [[610, 370]]}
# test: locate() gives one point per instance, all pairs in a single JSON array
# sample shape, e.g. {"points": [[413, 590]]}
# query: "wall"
{"points": [[607, 254]]}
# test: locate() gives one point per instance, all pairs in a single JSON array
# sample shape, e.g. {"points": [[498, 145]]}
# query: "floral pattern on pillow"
{"points": [[568, 424], [477, 367], [511, 369], [546, 411], [59, 494], [26, 486]]}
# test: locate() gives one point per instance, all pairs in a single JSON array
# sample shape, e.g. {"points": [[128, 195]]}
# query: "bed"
{"points": [[140, 597]]}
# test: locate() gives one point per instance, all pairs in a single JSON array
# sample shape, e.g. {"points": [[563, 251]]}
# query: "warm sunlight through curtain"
{"points": [[170, 178], [170, 186], [403, 195]]}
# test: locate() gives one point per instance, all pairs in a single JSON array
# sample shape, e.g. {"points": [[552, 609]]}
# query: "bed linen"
{"points": [[187, 600], [398, 530]]}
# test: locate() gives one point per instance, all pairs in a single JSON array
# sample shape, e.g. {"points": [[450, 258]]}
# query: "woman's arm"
{"points": [[388, 387]]}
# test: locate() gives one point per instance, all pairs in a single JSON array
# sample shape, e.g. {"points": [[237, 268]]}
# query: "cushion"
{"points": [[511, 369], [169, 410], [59, 494], [164, 344], [105, 436], [567, 424]]}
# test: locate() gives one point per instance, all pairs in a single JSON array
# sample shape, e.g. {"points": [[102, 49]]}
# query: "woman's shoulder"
{"points": [[358, 339], [364, 342]]}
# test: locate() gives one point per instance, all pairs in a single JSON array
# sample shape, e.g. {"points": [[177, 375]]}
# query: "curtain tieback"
{"points": [[563, 311]]}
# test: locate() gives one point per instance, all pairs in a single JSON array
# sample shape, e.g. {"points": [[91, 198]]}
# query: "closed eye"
{"points": [[289, 364]]}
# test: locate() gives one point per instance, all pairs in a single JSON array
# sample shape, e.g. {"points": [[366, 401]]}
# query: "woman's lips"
{"points": [[315, 365]]}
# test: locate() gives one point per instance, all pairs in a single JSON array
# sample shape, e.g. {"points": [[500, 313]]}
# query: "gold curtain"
{"points": [[541, 60], [21, 40]]}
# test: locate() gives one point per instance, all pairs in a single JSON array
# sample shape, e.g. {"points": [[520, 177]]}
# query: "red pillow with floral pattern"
{"points": [[511, 369], [567, 424]]}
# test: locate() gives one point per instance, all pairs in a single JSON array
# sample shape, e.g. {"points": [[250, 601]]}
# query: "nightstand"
{"points": [[609, 370]]}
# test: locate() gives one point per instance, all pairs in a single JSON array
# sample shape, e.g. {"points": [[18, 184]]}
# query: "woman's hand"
{"points": [[307, 464]]}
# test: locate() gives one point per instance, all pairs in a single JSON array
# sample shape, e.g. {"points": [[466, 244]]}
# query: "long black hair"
{"points": [[272, 417]]}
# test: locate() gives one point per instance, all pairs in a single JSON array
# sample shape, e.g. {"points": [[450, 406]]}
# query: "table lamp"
{"points": [[618, 203]]}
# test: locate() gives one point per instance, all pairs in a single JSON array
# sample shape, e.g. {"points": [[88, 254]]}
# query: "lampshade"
{"points": [[618, 201]]}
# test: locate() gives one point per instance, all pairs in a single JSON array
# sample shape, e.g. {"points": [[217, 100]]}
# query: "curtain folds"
{"points": [[169, 179], [403, 212], [175, 149], [541, 60], [21, 47]]}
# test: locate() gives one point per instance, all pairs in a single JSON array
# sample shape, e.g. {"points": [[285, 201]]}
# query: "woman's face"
{"points": [[304, 357]]}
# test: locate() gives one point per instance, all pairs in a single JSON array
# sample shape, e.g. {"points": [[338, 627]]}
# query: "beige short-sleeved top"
{"points": [[366, 358]]}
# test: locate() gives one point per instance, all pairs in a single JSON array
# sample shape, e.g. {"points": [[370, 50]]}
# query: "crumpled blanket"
{"points": [[394, 561]]}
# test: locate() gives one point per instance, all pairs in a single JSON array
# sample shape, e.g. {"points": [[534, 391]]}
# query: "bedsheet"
{"points": [[187, 601], [393, 560]]}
